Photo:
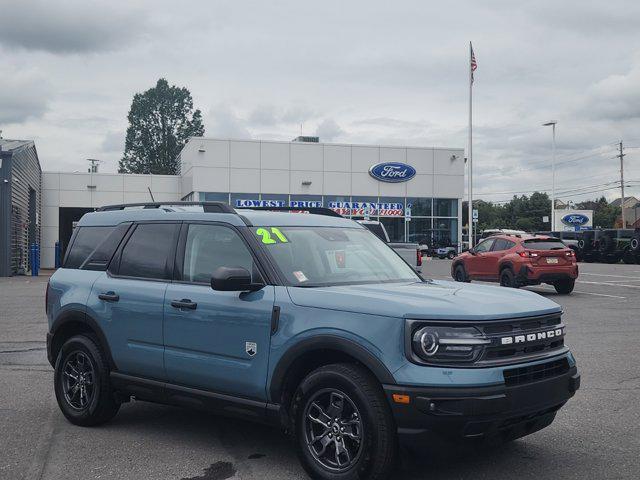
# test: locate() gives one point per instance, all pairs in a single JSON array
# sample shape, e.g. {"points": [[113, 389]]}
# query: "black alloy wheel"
{"points": [[333, 429], [342, 426], [78, 374]]}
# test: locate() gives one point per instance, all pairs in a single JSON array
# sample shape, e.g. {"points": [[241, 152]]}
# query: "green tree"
{"points": [[604, 214], [160, 122]]}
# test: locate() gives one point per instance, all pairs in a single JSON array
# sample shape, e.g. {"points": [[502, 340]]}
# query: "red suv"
{"points": [[515, 261]]}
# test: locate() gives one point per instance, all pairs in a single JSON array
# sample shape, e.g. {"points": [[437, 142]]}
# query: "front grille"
{"points": [[516, 330], [534, 373]]}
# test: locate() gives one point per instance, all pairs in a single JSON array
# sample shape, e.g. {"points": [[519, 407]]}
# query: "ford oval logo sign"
{"points": [[575, 219], [392, 172]]}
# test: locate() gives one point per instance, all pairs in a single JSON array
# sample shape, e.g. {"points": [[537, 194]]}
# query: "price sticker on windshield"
{"points": [[271, 235]]}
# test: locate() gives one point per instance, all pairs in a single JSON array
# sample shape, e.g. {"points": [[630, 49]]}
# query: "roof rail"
{"points": [[313, 210], [209, 207]]}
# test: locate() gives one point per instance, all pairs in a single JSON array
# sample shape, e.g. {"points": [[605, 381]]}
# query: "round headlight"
{"points": [[429, 343]]}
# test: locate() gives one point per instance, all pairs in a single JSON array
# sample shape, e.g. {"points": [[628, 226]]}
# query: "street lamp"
{"points": [[553, 123]]}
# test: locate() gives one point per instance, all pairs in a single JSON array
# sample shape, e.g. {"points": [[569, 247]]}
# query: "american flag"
{"points": [[474, 64]]}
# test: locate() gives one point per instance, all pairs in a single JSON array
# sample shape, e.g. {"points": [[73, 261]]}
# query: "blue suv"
{"points": [[308, 322]]}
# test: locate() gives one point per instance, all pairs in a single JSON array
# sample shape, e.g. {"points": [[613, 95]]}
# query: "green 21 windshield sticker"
{"points": [[271, 235]]}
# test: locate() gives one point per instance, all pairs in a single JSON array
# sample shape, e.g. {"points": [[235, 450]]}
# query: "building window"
{"points": [[245, 200], [445, 231], [214, 197], [305, 201], [420, 231], [394, 228], [420, 207], [445, 207], [391, 207], [274, 200], [337, 203]]}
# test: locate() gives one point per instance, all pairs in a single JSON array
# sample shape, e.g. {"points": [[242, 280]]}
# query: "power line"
{"points": [[540, 189]]}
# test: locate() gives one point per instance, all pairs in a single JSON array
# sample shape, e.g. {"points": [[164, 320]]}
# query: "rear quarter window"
{"points": [[87, 239]]}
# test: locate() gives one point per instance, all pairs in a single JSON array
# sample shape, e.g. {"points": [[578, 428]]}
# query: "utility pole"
{"points": [[621, 157], [553, 124]]}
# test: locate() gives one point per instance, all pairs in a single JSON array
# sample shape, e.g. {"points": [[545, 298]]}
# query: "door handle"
{"points": [[109, 297], [184, 303]]}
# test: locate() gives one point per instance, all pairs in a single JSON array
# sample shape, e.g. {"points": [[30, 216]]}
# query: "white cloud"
{"points": [[224, 122], [69, 26], [329, 130], [382, 72], [24, 94]]}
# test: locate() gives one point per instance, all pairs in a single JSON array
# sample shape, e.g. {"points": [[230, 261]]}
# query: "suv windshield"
{"points": [[544, 244], [321, 256]]}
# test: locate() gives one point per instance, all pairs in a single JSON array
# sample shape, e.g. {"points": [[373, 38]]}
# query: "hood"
{"points": [[427, 300]]}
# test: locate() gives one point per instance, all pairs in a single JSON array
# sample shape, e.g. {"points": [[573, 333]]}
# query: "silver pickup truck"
{"points": [[410, 252]]}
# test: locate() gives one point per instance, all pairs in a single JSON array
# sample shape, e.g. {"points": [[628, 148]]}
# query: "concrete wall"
{"points": [[92, 190], [254, 166]]}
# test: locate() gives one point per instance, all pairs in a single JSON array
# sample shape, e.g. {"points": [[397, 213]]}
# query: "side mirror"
{"points": [[233, 279], [472, 251]]}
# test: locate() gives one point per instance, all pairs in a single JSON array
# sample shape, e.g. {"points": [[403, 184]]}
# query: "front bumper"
{"points": [[472, 412], [530, 274]]}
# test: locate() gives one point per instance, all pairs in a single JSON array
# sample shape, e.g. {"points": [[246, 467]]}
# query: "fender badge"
{"points": [[251, 348]]}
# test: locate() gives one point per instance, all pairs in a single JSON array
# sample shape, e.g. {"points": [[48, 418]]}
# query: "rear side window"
{"points": [[86, 241], [485, 246], [502, 244], [148, 252], [550, 244]]}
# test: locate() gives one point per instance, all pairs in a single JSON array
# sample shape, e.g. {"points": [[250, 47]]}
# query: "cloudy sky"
{"points": [[376, 72]]}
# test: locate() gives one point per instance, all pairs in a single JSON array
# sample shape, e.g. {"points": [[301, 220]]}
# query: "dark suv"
{"points": [[615, 245], [308, 322]]}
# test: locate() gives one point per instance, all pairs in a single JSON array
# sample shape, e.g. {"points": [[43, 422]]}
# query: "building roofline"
{"points": [[254, 140]]}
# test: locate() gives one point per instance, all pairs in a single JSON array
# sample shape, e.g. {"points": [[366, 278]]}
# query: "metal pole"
{"points": [[552, 124], [553, 180], [470, 156], [621, 155]]}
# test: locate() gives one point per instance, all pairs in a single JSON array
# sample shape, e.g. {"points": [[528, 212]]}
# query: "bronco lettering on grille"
{"points": [[532, 337]]}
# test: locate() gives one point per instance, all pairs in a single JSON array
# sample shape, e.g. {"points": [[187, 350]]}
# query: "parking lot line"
{"points": [[609, 284], [551, 289], [607, 275]]}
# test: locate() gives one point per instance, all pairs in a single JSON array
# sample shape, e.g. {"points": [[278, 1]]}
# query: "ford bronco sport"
{"points": [[308, 322]]}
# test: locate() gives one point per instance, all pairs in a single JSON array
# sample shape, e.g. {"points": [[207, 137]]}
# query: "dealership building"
{"points": [[416, 192]]}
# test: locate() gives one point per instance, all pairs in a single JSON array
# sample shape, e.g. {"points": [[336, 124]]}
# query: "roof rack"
{"points": [[313, 210], [209, 207]]}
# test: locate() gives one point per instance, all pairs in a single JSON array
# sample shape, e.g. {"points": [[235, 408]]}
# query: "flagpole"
{"points": [[470, 153]]}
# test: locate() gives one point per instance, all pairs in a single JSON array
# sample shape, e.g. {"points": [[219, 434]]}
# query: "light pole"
{"points": [[553, 123]]}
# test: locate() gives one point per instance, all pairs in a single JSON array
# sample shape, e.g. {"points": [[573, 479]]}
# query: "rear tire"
{"points": [[343, 408], [451, 255], [508, 279], [564, 287], [81, 383]]}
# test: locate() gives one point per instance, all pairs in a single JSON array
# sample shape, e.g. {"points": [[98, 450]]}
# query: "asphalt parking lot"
{"points": [[597, 435]]}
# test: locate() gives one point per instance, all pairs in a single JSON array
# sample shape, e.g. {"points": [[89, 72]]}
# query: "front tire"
{"points": [[565, 287], [459, 274], [81, 383], [451, 255], [343, 427]]}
